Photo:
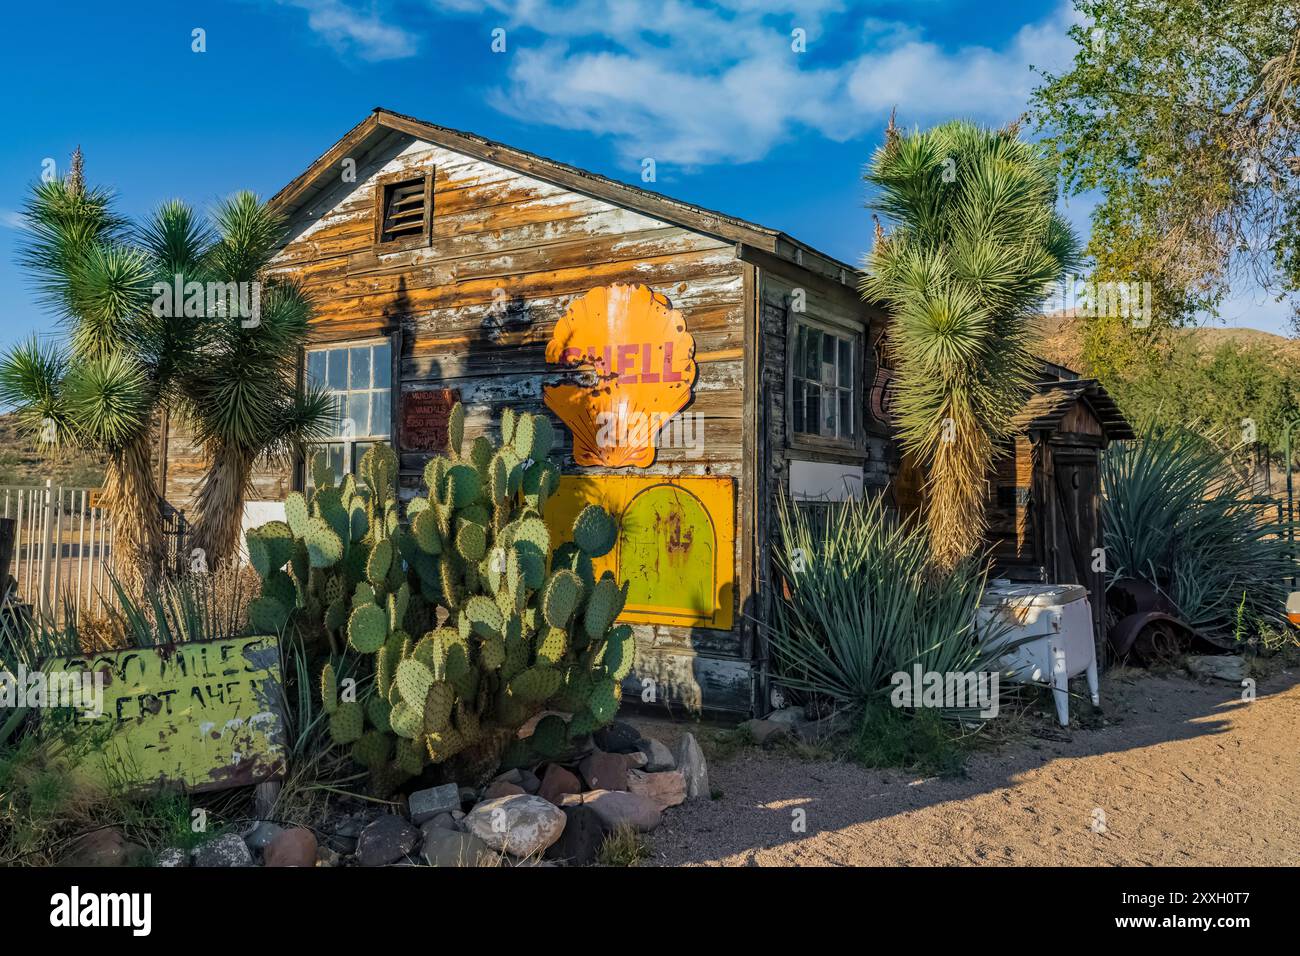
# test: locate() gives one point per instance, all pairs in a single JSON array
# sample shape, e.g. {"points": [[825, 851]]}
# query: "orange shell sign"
{"points": [[630, 365]]}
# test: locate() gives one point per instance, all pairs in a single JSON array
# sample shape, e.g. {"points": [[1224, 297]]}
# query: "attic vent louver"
{"points": [[404, 211]]}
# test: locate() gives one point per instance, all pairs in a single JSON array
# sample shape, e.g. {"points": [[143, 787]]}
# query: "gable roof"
{"points": [[1045, 409], [382, 122]]}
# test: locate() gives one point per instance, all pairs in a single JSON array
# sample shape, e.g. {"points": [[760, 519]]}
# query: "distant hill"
{"points": [[22, 464], [1062, 339]]}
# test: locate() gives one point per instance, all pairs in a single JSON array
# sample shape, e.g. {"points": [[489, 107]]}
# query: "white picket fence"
{"points": [[63, 548]]}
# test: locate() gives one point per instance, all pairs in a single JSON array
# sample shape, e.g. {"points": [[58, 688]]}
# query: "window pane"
{"points": [[359, 450], [336, 461], [813, 409], [829, 410], [333, 454], [339, 412], [796, 415], [360, 374], [846, 363], [380, 413], [316, 368], [846, 414], [338, 369], [828, 359], [813, 355], [383, 362], [358, 413], [800, 336]]}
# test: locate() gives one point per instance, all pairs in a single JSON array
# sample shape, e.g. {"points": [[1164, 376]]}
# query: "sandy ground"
{"points": [[1181, 773]]}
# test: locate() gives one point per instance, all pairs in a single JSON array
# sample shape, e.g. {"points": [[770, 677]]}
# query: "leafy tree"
{"points": [[974, 247], [1186, 115], [1242, 394]]}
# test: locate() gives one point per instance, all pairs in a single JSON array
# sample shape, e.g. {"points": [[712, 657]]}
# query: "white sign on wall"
{"points": [[256, 514], [824, 481]]}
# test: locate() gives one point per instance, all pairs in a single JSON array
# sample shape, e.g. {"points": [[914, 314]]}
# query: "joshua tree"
{"points": [[99, 390], [128, 353], [974, 247], [241, 399]]}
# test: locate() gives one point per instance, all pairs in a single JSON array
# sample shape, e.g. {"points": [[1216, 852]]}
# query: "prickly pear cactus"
{"points": [[470, 621]]}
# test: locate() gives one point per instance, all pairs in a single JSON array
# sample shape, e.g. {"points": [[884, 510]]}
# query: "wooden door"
{"points": [[1076, 534]]}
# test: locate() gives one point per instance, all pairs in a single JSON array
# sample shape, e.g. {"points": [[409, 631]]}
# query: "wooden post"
{"points": [[264, 797], [47, 544], [8, 530]]}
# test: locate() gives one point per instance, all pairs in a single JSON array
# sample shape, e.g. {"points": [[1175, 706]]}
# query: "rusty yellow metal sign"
{"points": [[676, 545], [204, 715], [628, 366]]}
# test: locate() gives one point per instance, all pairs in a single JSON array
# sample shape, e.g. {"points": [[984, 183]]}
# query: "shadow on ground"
{"points": [[1179, 773]]}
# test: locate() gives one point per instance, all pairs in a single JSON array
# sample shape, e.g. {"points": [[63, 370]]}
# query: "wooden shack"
{"points": [[1044, 507], [694, 364]]}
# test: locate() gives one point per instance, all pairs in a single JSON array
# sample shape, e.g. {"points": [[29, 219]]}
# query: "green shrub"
{"points": [[866, 600], [459, 622], [1176, 515], [922, 741]]}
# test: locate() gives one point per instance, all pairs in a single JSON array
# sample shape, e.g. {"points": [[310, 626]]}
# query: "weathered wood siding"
{"points": [[500, 237], [830, 303]]}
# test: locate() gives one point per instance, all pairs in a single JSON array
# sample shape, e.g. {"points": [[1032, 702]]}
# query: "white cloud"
{"points": [[367, 34], [923, 80], [698, 84]]}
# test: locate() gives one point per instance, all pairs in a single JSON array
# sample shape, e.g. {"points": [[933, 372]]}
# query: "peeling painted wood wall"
{"points": [[543, 245]]}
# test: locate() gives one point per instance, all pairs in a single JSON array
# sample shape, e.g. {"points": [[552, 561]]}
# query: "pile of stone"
{"points": [[563, 811], [558, 812], [795, 722]]}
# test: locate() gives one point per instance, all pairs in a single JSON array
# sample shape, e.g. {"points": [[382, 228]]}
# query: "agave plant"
{"points": [[242, 400], [1175, 514], [865, 601], [973, 249]]}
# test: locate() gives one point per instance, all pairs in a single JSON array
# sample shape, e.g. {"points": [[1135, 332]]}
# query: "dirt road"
{"points": [[1183, 773]]}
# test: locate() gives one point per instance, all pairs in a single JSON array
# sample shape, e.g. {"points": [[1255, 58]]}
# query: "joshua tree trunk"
{"points": [[135, 508], [220, 505], [956, 490]]}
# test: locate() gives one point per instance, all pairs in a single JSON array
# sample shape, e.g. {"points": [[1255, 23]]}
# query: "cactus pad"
{"points": [[594, 531], [413, 681], [347, 722], [367, 628]]}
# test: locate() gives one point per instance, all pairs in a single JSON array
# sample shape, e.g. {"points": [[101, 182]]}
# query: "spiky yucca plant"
{"points": [[973, 247], [100, 390], [864, 601], [125, 358], [241, 400], [1176, 515]]}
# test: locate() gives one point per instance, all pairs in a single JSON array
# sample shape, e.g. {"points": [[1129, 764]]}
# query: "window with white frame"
{"points": [[358, 375], [824, 384]]}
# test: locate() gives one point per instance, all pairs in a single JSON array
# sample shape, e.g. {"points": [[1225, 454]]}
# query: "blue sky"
{"points": [[735, 119]]}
